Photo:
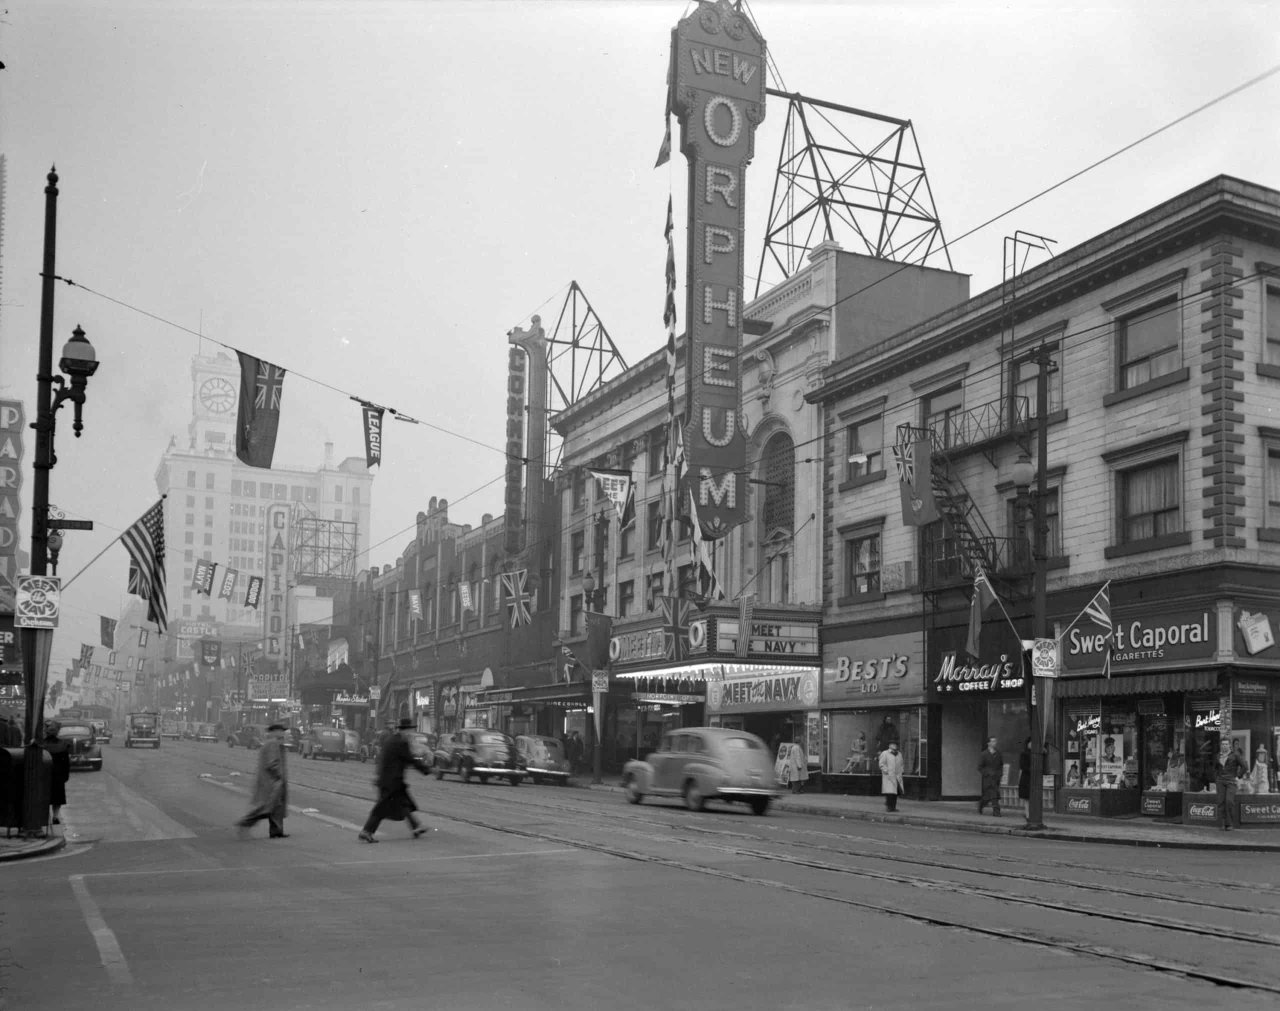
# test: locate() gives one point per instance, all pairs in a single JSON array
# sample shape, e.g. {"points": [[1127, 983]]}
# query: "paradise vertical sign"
{"points": [[717, 91]]}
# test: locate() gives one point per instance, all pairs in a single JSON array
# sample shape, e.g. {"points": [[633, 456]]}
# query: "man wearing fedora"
{"points": [[270, 787], [394, 800]]}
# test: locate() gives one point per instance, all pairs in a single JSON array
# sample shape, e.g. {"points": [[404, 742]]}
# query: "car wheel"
{"points": [[483, 779], [465, 773], [98, 766], [759, 805], [515, 780], [634, 795], [439, 770], [693, 798]]}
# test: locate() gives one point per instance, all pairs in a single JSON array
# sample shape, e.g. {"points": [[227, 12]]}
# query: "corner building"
{"points": [[1162, 343]]}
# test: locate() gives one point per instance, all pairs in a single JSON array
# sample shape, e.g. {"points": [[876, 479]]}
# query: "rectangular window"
{"points": [[652, 591], [337, 514], [209, 481], [575, 614], [865, 441], [942, 411], [577, 552], [282, 492], [626, 598], [942, 559], [1150, 499], [1272, 518], [602, 541], [208, 501], [653, 524], [208, 520], [1150, 344], [1022, 530], [235, 487], [337, 493], [1025, 380], [656, 452], [627, 540], [189, 537], [355, 496], [311, 496], [862, 564], [1271, 322], [191, 519], [191, 479], [208, 540], [579, 489], [295, 493], [250, 489]]}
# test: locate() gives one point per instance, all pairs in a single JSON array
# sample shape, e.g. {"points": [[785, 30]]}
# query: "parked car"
{"points": [[83, 746], [423, 745], [705, 763], [543, 758], [206, 733], [170, 730], [249, 736], [101, 731], [188, 731], [325, 742], [476, 752], [351, 744], [142, 730]]}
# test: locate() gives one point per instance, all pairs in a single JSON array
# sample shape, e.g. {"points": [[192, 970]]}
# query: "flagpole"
{"points": [[1076, 620], [113, 540]]}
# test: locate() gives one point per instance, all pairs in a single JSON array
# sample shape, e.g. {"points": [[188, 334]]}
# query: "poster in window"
{"points": [[1111, 760]]}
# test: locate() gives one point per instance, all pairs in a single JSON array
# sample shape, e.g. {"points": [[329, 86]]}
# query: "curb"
{"points": [[925, 821], [35, 848]]}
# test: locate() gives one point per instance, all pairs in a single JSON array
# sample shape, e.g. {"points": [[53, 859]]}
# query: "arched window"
{"points": [[777, 519]]}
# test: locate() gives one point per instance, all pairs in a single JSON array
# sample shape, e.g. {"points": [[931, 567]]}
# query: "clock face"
{"points": [[217, 395]]}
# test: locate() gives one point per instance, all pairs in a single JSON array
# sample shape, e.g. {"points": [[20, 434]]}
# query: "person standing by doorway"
{"points": [[270, 787], [394, 800], [891, 776], [991, 769], [60, 754], [1227, 769]]}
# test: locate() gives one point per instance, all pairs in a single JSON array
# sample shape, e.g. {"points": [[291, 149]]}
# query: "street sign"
{"points": [[599, 681], [54, 524], [1044, 658]]}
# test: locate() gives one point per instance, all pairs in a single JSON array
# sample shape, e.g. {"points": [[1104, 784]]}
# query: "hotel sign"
{"points": [[716, 89]]}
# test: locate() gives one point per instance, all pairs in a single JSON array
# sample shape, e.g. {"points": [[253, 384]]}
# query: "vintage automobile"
{"points": [[206, 733], [249, 736], [325, 742], [702, 764], [82, 745], [543, 758], [142, 730], [170, 730], [475, 752], [351, 744], [423, 745], [101, 731]]}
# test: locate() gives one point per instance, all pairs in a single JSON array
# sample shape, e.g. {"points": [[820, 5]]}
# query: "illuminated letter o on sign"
{"points": [[615, 650], [709, 121], [697, 634]]}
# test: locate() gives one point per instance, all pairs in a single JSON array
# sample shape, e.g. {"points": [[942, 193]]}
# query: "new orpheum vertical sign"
{"points": [[717, 93]]}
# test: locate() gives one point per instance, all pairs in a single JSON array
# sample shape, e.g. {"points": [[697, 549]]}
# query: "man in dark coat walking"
{"points": [[270, 787], [394, 800], [991, 768], [60, 754]]}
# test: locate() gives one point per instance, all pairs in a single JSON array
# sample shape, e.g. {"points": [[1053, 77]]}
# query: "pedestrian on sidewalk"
{"points": [[1227, 769], [394, 801], [991, 769], [891, 776], [60, 753], [270, 787], [1024, 771]]}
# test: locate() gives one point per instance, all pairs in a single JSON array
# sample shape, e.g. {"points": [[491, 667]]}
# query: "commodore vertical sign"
{"points": [[717, 91]]}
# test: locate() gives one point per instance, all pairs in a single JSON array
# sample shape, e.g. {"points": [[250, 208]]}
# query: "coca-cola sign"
{"points": [[1201, 811]]}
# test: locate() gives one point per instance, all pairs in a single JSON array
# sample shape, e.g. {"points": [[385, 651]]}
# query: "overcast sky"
{"points": [[371, 195]]}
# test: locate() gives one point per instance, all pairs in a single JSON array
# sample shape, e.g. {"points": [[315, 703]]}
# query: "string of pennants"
{"points": [[520, 600], [203, 578]]}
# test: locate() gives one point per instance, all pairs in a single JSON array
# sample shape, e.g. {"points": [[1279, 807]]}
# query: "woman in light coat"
{"points": [[891, 775]]}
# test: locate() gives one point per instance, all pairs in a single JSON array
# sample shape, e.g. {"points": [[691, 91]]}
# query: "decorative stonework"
{"points": [[1221, 354]]}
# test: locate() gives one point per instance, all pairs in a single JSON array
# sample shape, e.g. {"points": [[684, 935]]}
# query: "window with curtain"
{"points": [[1272, 518], [865, 442], [862, 563], [1150, 344], [1150, 501]]}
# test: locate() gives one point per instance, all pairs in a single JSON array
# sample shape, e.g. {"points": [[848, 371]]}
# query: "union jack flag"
{"points": [[675, 626], [269, 387], [515, 589], [1098, 611]]}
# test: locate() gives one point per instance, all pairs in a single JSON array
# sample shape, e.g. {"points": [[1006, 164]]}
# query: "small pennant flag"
{"points": [[228, 589], [107, 630], [253, 592], [1098, 611], [615, 485], [464, 594], [372, 417], [202, 576], [415, 603]]}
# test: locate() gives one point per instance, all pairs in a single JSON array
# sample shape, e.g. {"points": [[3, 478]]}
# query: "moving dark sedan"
{"points": [[82, 745], [478, 753]]}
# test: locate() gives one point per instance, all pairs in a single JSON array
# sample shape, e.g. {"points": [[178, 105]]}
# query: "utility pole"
{"points": [[1040, 529]]}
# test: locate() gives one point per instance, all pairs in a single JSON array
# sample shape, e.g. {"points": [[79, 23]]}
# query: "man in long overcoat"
{"points": [[270, 787], [891, 775], [991, 768], [394, 800]]}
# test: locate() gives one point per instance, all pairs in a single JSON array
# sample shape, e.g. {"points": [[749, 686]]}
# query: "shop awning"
{"points": [[1138, 684]]}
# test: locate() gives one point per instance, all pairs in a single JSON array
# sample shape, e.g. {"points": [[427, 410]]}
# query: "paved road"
{"points": [[546, 897]]}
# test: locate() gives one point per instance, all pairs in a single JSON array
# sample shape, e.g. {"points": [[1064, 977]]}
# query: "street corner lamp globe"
{"points": [[588, 583], [78, 356], [1023, 471]]}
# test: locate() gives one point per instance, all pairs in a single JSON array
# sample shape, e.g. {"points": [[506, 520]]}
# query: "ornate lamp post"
{"points": [[78, 362]]}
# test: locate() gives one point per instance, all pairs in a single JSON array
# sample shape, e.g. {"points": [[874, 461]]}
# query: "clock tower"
{"points": [[215, 389]]}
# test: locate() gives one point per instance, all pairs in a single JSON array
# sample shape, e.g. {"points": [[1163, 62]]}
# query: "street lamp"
{"points": [[79, 362]]}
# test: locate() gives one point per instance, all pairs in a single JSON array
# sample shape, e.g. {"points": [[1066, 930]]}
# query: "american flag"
{"points": [[145, 543]]}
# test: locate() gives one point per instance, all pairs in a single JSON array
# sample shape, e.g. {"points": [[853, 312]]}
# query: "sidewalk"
{"points": [[13, 847], [963, 816]]}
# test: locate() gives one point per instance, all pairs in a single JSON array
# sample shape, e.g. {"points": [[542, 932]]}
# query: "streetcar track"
{"points": [[1023, 935]]}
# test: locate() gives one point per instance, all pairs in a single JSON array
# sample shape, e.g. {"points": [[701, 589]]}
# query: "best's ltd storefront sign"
{"points": [[864, 671], [782, 690], [1143, 640]]}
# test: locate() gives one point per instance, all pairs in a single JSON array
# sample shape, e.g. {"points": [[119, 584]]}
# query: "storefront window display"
{"points": [[1102, 747], [1204, 717], [855, 737], [1164, 752], [1255, 729]]}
